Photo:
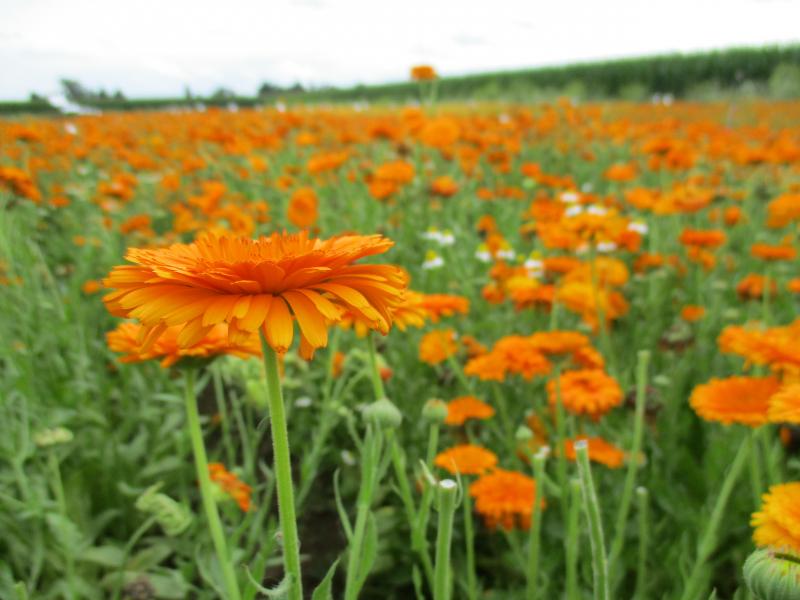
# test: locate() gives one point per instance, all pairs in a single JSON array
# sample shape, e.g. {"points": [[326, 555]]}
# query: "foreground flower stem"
{"points": [[536, 526], [377, 382], [446, 492], [206, 490], [707, 542], [571, 542], [633, 460], [561, 437], [283, 472], [469, 543], [592, 509], [644, 538]]}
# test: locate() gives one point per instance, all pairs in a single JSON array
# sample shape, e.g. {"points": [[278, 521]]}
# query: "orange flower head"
{"points": [[773, 253], [302, 211], [437, 346], [742, 400], [702, 238], [231, 485], [586, 392], [754, 285], [504, 498], [264, 284], [692, 313], [423, 73], [463, 408], [127, 340], [600, 451], [466, 459], [784, 406], [777, 524]]}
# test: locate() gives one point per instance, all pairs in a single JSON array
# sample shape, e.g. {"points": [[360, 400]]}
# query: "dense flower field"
{"points": [[460, 351]]}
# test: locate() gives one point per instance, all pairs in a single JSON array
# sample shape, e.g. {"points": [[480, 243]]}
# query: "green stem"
{"points": [[592, 510], [756, 475], [561, 459], [459, 373], [571, 543], [219, 393], [206, 490], [536, 526], [447, 491], [377, 382], [644, 538], [283, 472], [707, 542], [469, 544], [633, 460]]}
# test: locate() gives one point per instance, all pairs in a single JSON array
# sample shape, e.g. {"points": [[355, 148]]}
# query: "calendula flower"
{"points": [[463, 408], [692, 313], [774, 346], [742, 400], [504, 498], [302, 211], [702, 238], [423, 73], [777, 524], [466, 459], [753, 286], [600, 451], [773, 253], [264, 284], [586, 392], [231, 485], [126, 339], [784, 405], [437, 346]]}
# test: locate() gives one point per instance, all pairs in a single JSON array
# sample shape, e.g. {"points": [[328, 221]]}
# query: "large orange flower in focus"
{"points": [[777, 524], [586, 392], [743, 400], [264, 284]]}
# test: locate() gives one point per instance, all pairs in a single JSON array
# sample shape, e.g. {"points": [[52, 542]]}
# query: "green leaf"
{"points": [[369, 552], [67, 534], [279, 592], [323, 591], [348, 528], [106, 556]]}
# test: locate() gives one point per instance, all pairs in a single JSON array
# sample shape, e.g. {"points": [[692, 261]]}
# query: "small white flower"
{"points": [[534, 267], [569, 197], [446, 238], [606, 247], [638, 226], [594, 209], [348, 458], [70, 128], [432, 234], [432, 261], [303, 402], [573, 211], [506, 254], [483, 254]]}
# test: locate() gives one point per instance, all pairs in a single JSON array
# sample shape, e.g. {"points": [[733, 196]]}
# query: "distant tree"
{"points": [[187, 93], [222, 94], [268, 88], [297, 88], [119, 96], [76, 92]]}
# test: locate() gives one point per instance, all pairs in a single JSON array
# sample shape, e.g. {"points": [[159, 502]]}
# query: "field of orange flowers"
{"points": [[459, 351]]}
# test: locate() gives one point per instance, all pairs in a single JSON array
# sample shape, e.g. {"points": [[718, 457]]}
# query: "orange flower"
{"points": [[231, 485], [752, 286], [127, 339], [620, 172], [586, 392], [443, 305], [600, 451], [437, 346], [504, 498], [466, 459], [777, 524], [692, 313], [463, 408], [302, 211], [793, 285], [512, 354], [92, 286], [444, 186], [423, 73], [773, 253], [783, 210], [784, 406], [702, 238], [742, 400], [251, 284], [775, 346]]}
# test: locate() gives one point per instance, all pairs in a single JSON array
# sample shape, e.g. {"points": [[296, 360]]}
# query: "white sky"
{"points": [[156, 47]]}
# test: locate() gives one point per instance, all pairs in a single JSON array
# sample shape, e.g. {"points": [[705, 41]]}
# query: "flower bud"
{"points": [[383, 413], [173, 516], [773, 574], [52, 437], [523, 434], [435, 410]]}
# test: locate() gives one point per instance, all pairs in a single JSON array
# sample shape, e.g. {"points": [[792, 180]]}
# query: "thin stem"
{"points": [[561, 459], [644, 538], [219, 394], [377, 382], [633, 460], [206, 490], [571, 542], [592, 510], [459, 373], [447, 491], [536, 526], [469, 544], [283, 472], [706, 545]]}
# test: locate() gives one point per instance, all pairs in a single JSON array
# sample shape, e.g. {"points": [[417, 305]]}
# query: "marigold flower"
{"points": [[250, 284], [752, 286], [586, 392], [466, 459], [423, 73], [92, 286], [600, 451], [504, 498], [777, 524], [742, 400], [512, 354], [437, 346], [773, 253], [463, 408], [444, 186], [774, 346], [692, 313], [784, 406], [302, 211], [443, 305], [231, 485], [127, 340], [702, 238]]}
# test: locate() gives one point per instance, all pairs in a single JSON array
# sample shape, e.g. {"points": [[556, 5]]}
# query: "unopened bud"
{"points": [[435, 410], [773, 574], [383, 413]]}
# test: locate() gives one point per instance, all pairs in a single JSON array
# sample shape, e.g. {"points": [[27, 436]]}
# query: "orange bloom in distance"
{"points": [[302, 211], [702, 238], [773, 253], [586, 392], [437, 346], [463, 408], [692, 313], [466, 459], [126, 339], [231, 485], [504, 498], [264, 284], [777, 524], [742, 400], [600, 451], [423, 73]]}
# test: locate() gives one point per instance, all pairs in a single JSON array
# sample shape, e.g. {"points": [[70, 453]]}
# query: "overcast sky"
{"points": [[157, 47]]}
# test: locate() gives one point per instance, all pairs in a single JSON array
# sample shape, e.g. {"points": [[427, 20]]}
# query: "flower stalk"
{"points": [[591, 508]]}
